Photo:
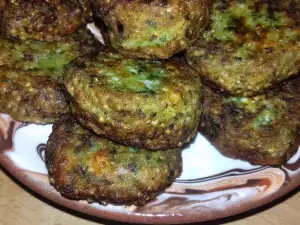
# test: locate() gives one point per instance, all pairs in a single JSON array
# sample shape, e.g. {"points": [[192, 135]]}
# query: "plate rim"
{"points": [[133, 217]]}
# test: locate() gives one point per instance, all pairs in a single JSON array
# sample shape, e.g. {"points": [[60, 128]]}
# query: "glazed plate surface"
{"points": [[211, 185]]}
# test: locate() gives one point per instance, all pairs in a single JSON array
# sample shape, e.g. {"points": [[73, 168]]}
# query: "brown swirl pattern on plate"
{"points": [[224, 191], [189, 200], [41, 148], [8, 127]]}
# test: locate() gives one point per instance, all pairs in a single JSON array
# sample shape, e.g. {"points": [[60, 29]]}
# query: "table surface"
{"points": [[19, 205]]}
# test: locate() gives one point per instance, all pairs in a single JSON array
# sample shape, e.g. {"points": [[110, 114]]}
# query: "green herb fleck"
{"points": [[133, 149], [96, 147]]}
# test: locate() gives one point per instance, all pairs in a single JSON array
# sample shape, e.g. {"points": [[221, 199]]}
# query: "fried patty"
{"points": [[249, 46], [149, 104], [52, 57], [82, 165], [42, 20], [31, 96], [263, 130], [153, 29], [30, 91]]}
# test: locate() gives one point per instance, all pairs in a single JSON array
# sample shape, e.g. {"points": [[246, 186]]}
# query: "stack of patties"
{"points": [[122, 115], [249, 57], [131, 116], [38, 39], [144, 111]]}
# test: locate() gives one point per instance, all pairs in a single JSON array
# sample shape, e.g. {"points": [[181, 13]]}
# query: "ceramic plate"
{"points": [[211, 185]]}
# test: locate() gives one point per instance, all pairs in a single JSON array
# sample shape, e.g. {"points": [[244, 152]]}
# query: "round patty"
{"points": [[52, 57], [263, 130], [82, 165], [249, 45], [155, 28], [30, 91], [43, 20], [150, 104], [31, 96]]}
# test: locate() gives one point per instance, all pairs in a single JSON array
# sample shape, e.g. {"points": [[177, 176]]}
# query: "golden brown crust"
{"points": [[150, 104], [263, 130], [153, 29], [31, 96], [49, 58], [249, 46], [290, 92], [43, 20], [82, 165]]}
